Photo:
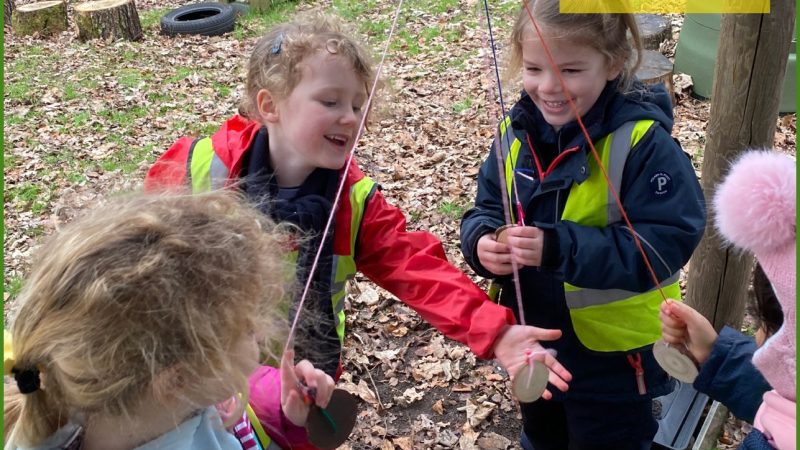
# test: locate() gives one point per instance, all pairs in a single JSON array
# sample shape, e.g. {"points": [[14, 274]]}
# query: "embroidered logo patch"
{"points": [[661, 184]]}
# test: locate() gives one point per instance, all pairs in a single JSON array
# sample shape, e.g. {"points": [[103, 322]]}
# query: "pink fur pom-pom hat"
{"points": [[756, 210]]}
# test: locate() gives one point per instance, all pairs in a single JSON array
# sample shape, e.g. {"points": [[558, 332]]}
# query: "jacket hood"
{"points": [[609, 112]]}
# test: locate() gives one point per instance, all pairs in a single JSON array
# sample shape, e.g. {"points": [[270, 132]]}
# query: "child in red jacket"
{"points": [[306, 90]]}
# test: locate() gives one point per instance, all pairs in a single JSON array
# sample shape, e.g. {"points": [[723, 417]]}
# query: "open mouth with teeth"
{"points": [[555, 105], [337, 139]]}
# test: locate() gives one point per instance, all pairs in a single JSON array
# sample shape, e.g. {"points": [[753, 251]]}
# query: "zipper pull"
{"points": [[520, 214], [636, 363]]}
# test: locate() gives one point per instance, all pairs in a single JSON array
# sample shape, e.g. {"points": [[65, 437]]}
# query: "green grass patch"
{"points": [[130, 78], [452, 209], [152, 18], [462, 106], [20, 91], [14, 286]]}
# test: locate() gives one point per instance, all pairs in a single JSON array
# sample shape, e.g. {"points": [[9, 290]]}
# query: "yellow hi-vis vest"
{"points": [[605, 320]]}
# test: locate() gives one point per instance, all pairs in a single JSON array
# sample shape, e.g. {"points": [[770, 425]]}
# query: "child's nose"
{"points": [[349, 117], [550, 83]]}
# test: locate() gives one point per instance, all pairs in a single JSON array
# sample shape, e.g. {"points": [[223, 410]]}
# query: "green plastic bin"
{"points": [[697, 52]]}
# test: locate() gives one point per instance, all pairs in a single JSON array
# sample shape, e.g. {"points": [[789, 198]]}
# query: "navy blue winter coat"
{"points": [[729, 376], [598, 258]]}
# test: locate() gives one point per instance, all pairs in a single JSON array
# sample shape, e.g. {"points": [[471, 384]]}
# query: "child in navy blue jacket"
{"points": [[581, 271]]}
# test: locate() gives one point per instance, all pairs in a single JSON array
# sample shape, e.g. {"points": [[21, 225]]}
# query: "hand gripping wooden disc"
{"points": [[530, 382], [679, 365], [328, 431], [500, 235]]}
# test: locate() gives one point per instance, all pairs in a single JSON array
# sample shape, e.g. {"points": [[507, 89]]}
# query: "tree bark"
{"points": [[751, 61], [46, 18], [653, 29], [108, 19], [8, 10]]}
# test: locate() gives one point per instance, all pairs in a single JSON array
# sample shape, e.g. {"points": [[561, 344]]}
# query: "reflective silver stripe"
{"points": [[620, 148], [592, 297], [218, 173]]}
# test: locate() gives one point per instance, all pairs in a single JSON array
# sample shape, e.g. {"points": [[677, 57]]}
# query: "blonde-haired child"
{"points": [[582, 272], [307, 88], [139, 318]]}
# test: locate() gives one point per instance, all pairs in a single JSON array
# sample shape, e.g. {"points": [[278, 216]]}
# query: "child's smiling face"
{"points": [[584, 69], [316, 125]]}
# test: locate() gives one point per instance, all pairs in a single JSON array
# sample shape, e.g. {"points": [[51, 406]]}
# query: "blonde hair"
{"points": [[607, 33], [140, 286], [276, 63]]}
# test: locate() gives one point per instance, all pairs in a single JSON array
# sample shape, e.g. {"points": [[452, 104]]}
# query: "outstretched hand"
{"points": [[517, 341], [682, 325], [293, 401]]}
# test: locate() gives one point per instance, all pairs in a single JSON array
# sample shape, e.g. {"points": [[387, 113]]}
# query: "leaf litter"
{"points": [[86, 120]]}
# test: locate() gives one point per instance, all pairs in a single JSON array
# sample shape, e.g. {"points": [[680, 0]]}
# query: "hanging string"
{"points": [[315, 264], [501, 168], [594, 153]]}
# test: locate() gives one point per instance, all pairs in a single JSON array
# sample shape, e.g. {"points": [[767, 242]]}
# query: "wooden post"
{"points": [[108, 19], [751, 61], [46, 18]]}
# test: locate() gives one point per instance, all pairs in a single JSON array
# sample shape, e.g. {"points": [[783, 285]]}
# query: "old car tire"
{"points": [[207, 19]]}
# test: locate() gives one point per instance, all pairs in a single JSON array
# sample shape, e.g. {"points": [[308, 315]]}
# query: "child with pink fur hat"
{"points": [[756, 211]]}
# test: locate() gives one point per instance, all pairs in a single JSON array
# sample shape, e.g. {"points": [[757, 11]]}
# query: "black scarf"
{"points": [[316, 339]]}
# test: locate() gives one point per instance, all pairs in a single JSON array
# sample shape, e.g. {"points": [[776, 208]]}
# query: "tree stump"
{"points": [[108, 19], [654, 29], [8, 10], [46, 18], [260, 6], [656, 68]]}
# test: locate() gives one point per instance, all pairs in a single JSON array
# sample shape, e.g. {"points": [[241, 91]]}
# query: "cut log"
{"points": [[45, 18], [653, 29], [8, 10], [108, 19], [656, 68], [260, 6]]}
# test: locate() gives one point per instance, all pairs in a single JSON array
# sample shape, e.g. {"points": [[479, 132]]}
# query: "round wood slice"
{"points": [[653, 29], [655, 68], [342, 410], [108, 19], [530, 382], [679, 365], [500, 235], [46, 18]]}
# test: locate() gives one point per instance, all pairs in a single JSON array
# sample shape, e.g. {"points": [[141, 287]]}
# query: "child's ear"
{"points": [[267, 106], [614, 69]]}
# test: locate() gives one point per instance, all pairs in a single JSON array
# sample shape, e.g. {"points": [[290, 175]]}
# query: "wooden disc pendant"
{"points": [[500, 234], [328, 428], [530, 382], [675, 362]]}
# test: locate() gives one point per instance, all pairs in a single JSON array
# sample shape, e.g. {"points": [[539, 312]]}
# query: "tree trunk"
{"points": [[655, 68], [8, 10], [108, 19], [653, 29], [751, 61], [260, 6], [47, 18]]}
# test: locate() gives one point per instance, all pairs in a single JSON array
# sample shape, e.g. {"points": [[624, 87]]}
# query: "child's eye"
{"points": [[533, 69], [328, 103], [571, 70]]}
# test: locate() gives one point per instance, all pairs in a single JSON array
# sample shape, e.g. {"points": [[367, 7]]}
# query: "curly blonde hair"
{"points": [[276, 63], [605, 32], [139, 286]]}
